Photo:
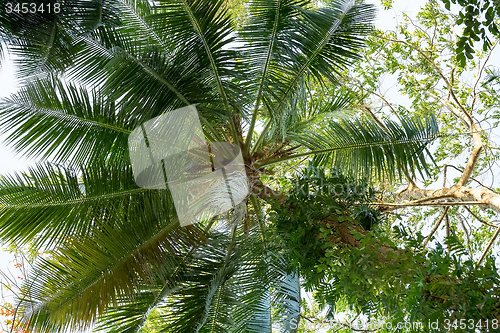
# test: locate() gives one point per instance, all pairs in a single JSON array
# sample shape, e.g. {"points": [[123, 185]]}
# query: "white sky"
{"points": [[8, 160]]}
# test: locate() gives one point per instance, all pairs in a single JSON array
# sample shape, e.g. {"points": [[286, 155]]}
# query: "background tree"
{"points": [[419, 56], [479, 22]]}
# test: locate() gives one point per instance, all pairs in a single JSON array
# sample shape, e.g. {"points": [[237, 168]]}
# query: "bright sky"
{"points": [[9, 161]]}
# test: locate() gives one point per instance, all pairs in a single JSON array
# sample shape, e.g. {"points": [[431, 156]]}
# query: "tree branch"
{"points": [[462, 114], [457, 195], [480, 219], [489, 246]]}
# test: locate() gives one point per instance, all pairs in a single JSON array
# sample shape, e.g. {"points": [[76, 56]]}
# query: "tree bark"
{"points": [[484, 197]]}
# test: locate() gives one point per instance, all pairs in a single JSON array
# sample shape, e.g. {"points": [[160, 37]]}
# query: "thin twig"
{"points": [[480, 219], [433, 64], [445, 212], [460, 217], [480, 72], [437, 203], [359, 85], [477, 181], [444, 175], [488, 247], [448, 229], [369, 111]]}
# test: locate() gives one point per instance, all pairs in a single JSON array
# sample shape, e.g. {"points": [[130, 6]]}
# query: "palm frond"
{"points": [[206, 300], [493, 77], [149, 79], [204, 29], [288, 302], [52, 119], [2, 50], [44, 41], [50, 203], [334, 35], [228, 291], [133, 34], [323, 105], [362, 147], [266, 36], [129, 315], [125, 251]]}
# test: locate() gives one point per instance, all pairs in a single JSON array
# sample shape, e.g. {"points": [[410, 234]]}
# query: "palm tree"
{"points": [[99, 69]]}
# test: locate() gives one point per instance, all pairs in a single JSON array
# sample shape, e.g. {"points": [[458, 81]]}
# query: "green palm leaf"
{"points": [[44, 41], [204, 28], [130, 315], [288, 301], [209, 295], [228, 285], [338, 104], [267, 34], [81, 280], [65, 123], [361, 147], [129, 241], [53, 202], [334, 34]]}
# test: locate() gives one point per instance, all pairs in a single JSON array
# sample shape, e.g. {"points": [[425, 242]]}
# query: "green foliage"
{"points": [[76, 122], [97, 70], [306, 224], [386, 276], [153, 323], [117, 254], [419, 55], [411, 285], [478, 19], [363, 148], [53, 202]]}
